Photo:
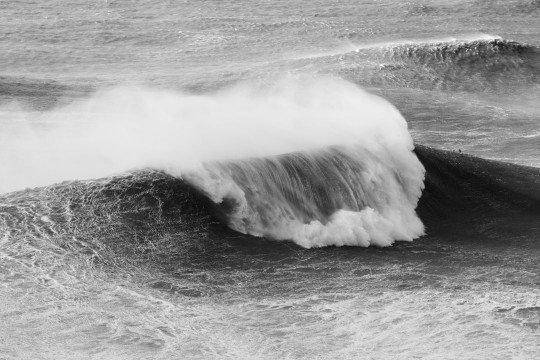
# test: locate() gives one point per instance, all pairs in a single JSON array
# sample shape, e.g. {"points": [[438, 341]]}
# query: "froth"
{"points": [[336, 196]]}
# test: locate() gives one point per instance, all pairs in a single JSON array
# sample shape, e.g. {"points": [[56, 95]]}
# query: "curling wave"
{"points": [[336, 196], [350, 176], [468, 65]]}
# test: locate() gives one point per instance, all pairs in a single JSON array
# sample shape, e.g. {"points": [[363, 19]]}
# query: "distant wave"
{"points": [[38, 93], [318, 162], [483, 52], [470, 62], [478, 65]]}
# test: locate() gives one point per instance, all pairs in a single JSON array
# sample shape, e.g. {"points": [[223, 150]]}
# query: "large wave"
{"points": [[336, 196], [162, 218], [355, 182]]}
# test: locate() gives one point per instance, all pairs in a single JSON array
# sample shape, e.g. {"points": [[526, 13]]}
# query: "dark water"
{"points": [[179, 180]]}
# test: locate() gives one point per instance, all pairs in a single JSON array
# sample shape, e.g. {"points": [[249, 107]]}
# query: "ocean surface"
{"points": [[270, 179]]}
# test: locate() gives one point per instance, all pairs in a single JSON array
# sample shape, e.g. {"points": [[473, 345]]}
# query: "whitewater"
{"points": [[262, 180], [182, 134]]}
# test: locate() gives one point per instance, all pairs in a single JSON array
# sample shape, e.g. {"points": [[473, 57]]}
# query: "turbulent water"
{"points": [[270, 180]]}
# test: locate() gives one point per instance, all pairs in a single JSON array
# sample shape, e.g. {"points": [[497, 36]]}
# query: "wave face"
{"points": [[350, 176], [471, 198]]}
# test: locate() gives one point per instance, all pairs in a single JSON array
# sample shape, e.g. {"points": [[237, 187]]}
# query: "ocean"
{"points": [[270, 179]]}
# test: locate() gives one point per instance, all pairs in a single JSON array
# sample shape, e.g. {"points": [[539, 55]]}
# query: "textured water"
{"points": [[113, 252]]}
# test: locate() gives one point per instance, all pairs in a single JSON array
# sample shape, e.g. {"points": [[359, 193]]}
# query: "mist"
{"points": [[126, 128]]}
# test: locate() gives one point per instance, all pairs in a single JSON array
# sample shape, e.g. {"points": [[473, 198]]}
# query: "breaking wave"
{"points": [[336, 196], [155, 214], [319, 162], [471, 63]]}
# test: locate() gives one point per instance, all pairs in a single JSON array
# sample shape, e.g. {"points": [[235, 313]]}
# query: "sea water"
{"points": [[234, 179]]}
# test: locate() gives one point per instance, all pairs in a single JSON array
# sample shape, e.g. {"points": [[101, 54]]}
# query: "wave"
{"points": [[194, 137], [337, 196], [465, 199], [318, 163], [471, 54], [470, 63], [38, 94]]}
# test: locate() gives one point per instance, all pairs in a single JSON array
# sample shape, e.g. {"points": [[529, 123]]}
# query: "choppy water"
{"points": [[175, 175]]}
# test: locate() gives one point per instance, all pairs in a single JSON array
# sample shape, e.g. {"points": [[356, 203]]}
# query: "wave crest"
{"points": [[337, 196]]}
